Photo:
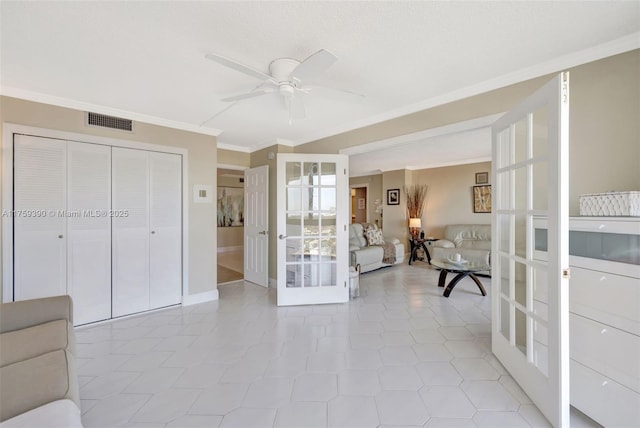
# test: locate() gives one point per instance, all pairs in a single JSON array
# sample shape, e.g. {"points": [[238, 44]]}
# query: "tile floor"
{"points": [[399, 355]]}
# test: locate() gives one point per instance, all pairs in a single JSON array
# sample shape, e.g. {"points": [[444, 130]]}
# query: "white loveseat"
{"points": [[369, 257], [471, 241]]}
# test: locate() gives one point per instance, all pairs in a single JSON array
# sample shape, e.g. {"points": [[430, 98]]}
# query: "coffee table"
{"points": [[462, 270]]}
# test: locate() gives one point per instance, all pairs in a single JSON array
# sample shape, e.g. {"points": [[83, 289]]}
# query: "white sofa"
{"points": [[369, 257], [471, 241]]}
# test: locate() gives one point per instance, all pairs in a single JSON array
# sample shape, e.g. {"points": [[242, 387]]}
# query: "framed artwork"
{"points": [[482, 178], [393, 196], [230, 206], [482, 199], [361, 203]]}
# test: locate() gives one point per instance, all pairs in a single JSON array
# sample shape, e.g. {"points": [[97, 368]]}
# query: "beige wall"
{"points": [[232, 157], [449, 196], [604, 125], [202, 160], [395, 223]]}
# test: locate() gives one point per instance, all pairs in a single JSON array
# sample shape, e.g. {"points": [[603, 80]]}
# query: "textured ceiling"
{"points": [[145, 60]]}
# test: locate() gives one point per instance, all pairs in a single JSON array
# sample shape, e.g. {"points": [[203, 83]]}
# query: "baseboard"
{"points": [[273, 283], [207, 296], [228, 249]]}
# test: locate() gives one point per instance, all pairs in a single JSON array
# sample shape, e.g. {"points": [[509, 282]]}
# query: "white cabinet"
{"points": [[61, 232], [604, 306], [146, 243], [100, 223]]}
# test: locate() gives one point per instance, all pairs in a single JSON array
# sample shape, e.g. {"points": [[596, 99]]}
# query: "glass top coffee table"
{"points": [[462, 269]]}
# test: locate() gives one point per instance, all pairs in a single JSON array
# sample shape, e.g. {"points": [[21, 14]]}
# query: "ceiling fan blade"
{"points": [[314, 65], [249, 71], [248, 95], [337, 94]]}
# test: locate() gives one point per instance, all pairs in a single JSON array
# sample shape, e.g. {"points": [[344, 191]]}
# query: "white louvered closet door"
{"points": [[39, 226], [166, 229], [130, 245], [89, 231]]}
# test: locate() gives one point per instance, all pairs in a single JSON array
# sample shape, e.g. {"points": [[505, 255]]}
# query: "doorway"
{"points": [[359, 203], [230, 225]]}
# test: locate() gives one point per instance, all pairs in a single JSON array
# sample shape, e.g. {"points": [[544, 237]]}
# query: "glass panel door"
{"points": [[312, 211], [530, 296]]}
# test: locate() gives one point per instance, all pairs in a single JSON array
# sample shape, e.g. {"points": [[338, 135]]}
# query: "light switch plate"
{"points": [[202, 193]]}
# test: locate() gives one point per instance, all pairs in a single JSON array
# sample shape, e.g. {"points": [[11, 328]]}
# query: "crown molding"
{"points": [[594, 53], [233, 147], [83, 106]]}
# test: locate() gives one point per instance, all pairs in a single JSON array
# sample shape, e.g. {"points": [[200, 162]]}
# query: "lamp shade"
{"points": [[415, 222]]}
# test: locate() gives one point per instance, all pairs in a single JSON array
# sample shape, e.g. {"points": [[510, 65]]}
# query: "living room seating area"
{"points": [[371, 250]]}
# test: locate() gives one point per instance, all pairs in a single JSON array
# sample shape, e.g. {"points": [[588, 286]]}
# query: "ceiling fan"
{"points": [[285, 78]]}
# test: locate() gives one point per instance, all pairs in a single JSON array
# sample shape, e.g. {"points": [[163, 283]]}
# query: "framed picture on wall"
{"points": [[361, 203], [393, 196], [482, 178], [230, 206], [482, 199]]}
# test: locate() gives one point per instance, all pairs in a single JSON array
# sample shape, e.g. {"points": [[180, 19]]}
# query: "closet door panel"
{"points": [[166, 229], [89, 230], [130, 245], [39, 221]]}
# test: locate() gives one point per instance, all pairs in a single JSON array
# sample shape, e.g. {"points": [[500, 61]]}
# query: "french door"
{"points": [[256, 225], [530, 298], [313, 210]]}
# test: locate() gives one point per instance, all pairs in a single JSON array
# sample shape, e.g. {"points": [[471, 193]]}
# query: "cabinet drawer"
{"points": [[611, 299], [607, 350], [602, 399]]}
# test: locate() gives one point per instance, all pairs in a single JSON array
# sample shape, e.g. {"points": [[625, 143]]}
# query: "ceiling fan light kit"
{"points": [[286, 76]]}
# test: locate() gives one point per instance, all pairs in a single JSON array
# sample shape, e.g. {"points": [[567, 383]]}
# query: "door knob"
{"points": [[282, 236], [60, 236], [153, 232]]}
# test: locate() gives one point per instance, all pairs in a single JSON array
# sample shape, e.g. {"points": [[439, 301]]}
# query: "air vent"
{"points": [[112, 122]]}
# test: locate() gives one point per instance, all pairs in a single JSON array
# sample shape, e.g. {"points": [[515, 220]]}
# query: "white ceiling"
{"points": [[145, 60]]}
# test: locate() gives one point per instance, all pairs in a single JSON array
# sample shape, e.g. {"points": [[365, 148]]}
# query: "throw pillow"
{"points": [[374, 236]]}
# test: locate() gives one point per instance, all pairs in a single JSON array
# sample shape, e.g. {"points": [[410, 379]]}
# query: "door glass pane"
{"points": [[504, 225], [505, 193], [540, 186], [294, 224], [520, 188], [294, 279], [328, 177], [310, 173], [294, 250], [328, 199], [521, 284], [520, 143], [311, 275], [539, 282], [504, 275], [540, 132], [504, 149], [505, 309], [328, 248], [521, 331], [293, 174], [294, 199], [521, 235]]}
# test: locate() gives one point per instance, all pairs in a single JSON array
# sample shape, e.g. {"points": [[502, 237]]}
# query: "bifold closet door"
{"points": [[130, 244], [40, 229], [89, 231], [165, 261], [147, 256]]}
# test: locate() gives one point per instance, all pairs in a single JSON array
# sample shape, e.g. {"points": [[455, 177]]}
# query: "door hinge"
{"points": [[345, 227], [345, 284], [566, 273], [345, 171]]}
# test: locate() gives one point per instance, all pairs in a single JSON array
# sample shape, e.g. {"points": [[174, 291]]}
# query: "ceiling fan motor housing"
{"points": [[280, 69]]}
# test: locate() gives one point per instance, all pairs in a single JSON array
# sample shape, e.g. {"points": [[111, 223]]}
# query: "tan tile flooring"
{"points": [[230, 266], [399, 355]]}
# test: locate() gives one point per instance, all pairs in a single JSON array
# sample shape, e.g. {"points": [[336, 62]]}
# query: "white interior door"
{"points": [[40, 226], [130, 246], [165, 260], [313, 213], [530, 298], [256, 225], [89, 231]]}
